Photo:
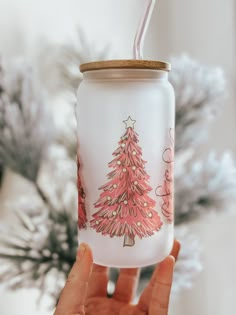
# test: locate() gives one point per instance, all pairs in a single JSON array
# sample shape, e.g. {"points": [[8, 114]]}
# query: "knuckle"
{"points": [[80, 311], [161, 304], [71, 278]]}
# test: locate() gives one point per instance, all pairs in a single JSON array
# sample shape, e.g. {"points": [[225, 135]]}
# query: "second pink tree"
{"points": [[125, 207]]}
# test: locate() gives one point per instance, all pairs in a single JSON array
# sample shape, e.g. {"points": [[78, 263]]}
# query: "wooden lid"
{"points": [[125, 64]]}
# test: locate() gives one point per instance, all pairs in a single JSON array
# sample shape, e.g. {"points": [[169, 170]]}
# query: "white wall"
{"points": [[206, 30], [103, 21]]}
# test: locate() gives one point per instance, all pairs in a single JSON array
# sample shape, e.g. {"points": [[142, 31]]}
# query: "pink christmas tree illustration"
{"points": [[82, 218], [165, 191], [126, 209]]}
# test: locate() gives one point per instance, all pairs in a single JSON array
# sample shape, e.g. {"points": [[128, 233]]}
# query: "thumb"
{"points": [[73, 295]]}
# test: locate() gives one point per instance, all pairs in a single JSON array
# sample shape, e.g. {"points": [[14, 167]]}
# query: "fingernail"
{"points": [[178, 251], [81, 251]]}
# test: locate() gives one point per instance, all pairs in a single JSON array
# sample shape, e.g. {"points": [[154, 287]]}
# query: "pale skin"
{"points": [[85, 292]]}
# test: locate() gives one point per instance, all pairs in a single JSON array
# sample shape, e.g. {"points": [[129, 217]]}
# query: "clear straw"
{"points": [[142, 29]]}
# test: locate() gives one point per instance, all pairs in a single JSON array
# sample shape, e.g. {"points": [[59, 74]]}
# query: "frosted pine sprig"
{"points": [[58, 65], [189, 263], [25, 130], [200, 92], [207, 186], [40, 248]]}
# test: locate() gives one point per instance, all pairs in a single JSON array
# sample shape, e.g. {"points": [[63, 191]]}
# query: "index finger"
{"points": [[161, 291], [98, 282], [145, 298], [73, 295]]}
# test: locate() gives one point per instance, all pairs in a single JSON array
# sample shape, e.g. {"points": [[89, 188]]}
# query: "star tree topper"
{"points": [[129, 123]]}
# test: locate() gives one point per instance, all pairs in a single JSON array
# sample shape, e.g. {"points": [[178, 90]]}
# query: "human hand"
{"points": [[85, 292]]}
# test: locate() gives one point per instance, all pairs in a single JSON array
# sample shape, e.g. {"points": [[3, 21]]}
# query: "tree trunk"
{"points": [[129, 241]]}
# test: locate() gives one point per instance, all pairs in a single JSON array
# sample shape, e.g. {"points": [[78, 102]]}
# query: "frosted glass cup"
{"points": [[126, 121]]}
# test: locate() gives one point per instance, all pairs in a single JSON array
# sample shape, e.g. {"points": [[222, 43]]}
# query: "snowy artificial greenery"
{"points": [[23, 120], [58, 66], [200, 93], [40, 247], [206, 187]]}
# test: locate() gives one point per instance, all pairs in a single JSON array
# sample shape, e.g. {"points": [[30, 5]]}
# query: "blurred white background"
{"points": [[206, 30]]}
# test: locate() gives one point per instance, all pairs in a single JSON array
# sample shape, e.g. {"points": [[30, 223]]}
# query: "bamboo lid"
{"points": [[125, 64]]}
